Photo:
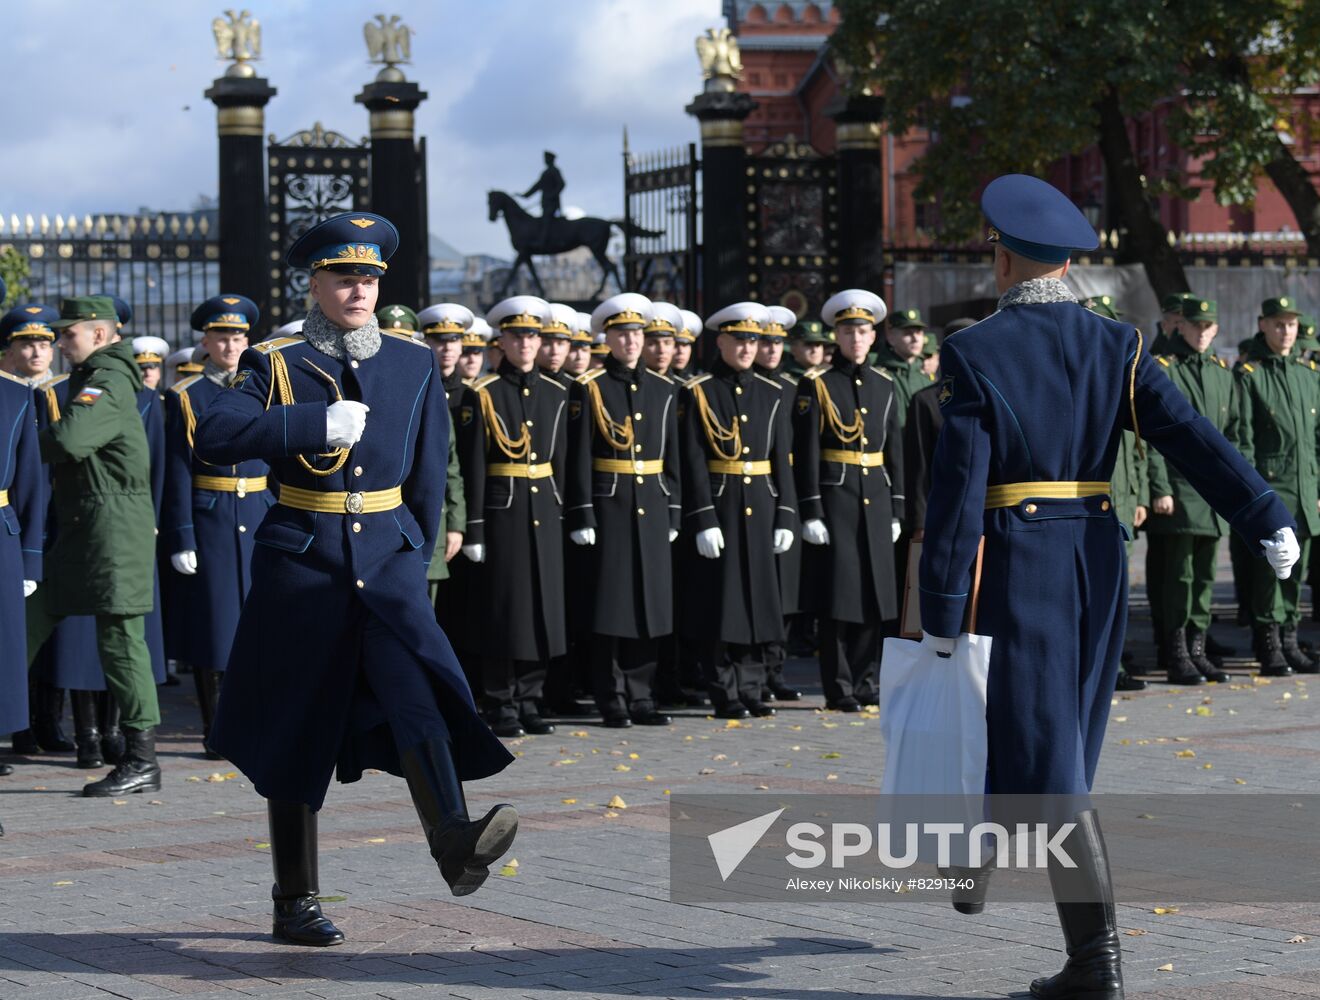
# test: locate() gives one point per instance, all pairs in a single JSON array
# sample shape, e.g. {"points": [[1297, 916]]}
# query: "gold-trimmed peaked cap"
{"points": [[854, 305], [782, 319], [627, 309], [663, 320], [226, 311], [30, 322], [445, 321], [351, 243], [150, 350], [475, 336], [743, 320], [560, 322], [521, 312], [692, 326], [582, 328]]}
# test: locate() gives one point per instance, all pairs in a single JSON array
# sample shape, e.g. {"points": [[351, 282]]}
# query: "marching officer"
{"points": [[1183, 530], [739, 511], [1054, 565], [901, 356], [398, 319], [770, 364], [683, 368], [513, 443], [628, 507], [338, 663], [1279, 432], [848, 459], [211, 512], [98, 564]]}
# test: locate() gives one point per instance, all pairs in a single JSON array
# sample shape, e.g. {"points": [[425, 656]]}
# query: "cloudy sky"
{"points": [[112, 116]]}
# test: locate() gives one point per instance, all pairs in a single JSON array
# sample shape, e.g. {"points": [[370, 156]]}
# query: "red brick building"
{"points": [[785, 69]]}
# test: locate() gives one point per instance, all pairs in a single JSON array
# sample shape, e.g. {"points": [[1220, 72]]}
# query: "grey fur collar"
{"points": [[337, 342], [1035, 291]]}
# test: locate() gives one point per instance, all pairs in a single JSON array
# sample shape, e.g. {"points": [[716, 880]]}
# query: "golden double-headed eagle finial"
{"points": [[720, 58], [237, 37]]}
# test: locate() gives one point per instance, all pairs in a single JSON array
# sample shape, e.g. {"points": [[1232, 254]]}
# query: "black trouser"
{"points": [[849, 659], [623, 673], [774, 654], [514, 686], [735, 672]]}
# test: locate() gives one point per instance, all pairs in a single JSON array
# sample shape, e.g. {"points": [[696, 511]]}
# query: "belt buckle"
{"points": [[638, 466], [354, 503], [863, 458], [747, 468], [240, 487]]}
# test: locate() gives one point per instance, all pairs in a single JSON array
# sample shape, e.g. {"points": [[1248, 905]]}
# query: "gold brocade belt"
{"points": [[520, 470], [376, 502], [732, 467], [4, 498], [231, 484], [862, 458], [628, 467], [1012, 494]]}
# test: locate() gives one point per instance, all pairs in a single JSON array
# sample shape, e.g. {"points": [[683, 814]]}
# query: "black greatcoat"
{"points": [[457, 606], [519, 519], [920, 433], [852, 578], [632, 514], [790, 562], [735, 598]]}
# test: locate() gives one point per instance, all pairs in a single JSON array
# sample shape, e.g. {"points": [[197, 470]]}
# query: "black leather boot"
{"points": [[47, 715], [208, 696], [86, 733], [1178, 662], [297, 917], [112, 737], [25, 740], [1293, 654], [970, 901], [463, 849], [137, 772], [1269, 652], [1084, 897], [1197, 654]]}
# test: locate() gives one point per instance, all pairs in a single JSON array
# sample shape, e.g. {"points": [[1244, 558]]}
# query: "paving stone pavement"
{"points": [[166, 894]]}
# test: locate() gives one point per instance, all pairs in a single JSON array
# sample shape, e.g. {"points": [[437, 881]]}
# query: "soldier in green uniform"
{"points": [[1167, 329], [1129, 488], [102, 561], [1183, 531], [806, 347], [1280, 433], [901, 356], [398, 319]]}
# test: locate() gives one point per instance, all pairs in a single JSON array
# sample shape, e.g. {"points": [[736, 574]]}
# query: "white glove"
{"points": [[1282, 552], [815, 532], [673, 533], [898, 529], [29, 587], [710, 542], [476, 552], [938, 644], [783, 540], [583, 536], [345, 421], [185, 562]]}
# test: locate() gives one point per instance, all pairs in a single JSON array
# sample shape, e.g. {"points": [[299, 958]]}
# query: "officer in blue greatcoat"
{"points": [[1034, 401], [211, 511], [338, 661]]}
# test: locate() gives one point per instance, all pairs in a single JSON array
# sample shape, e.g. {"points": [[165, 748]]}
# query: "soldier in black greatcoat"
{"points": [[739, 512], [848, 459], [630, 512]]}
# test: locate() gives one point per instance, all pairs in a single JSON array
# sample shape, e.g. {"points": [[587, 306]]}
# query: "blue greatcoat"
{"points": [[22, 522], [295, 703], [1040, 392], [70, 659], [218, 525]]}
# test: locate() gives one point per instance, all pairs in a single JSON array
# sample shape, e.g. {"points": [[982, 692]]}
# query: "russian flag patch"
{"points": [[88, 396]]}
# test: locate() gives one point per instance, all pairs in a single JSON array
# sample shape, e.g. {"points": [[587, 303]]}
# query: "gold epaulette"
{"points": [[484, 380], [179, 387], [278, 344], [663, 378], [1163, 360], [1246, 367], [1304, 361], [769, 381], [52, 383], [405, 336], [590, 376], [553, 381], [881, 371], [816, 372], [696, 380], [1224, 364], [788, 378]]}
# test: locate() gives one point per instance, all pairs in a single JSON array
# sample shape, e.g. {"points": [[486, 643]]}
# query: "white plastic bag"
{"points": [[932, 717]]}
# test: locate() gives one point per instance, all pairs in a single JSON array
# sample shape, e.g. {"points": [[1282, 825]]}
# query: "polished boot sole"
{"points": [[110, 793], [492, 843], [318, 941]]}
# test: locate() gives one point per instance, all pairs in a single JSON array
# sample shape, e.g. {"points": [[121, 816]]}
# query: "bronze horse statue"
{"points": [[530, 235]]}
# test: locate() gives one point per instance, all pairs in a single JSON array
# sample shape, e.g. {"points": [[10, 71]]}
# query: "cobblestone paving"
{"points": [[154, 896]]}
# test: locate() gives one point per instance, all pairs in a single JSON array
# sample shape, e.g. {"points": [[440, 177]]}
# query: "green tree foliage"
{"points": [[14, 269]]}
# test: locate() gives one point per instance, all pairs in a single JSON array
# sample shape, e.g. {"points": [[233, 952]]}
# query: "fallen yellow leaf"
{"points": [[1239, 781], [611, 815], [732, 724], [1166, 967], [831, 777], [375, 840], [509, 871], [262, 847], [1204, 711], [650, 777], [569, 802], [1162, 910], [1185, 754], [1298, 939], [616, 803], [62, 883], [763, 788], [121, 802], [193, 778], [1136, 932], [622, 767], [634, 756]]}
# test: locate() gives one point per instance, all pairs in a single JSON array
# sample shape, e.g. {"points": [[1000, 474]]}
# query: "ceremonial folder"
{"points": [[909, 622]]}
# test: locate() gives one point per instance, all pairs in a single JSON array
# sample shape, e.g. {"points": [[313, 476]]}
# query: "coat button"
{"points": [[866, 472], [637, 447], [1030, 508], [742, 417], [866, 501], [357, 526], [641, 511], [357, 470], [641, 479], [864, 410], [746, 450], [527, 423], [536, 489], [1104, 505], [633, 388], [536, 524], [532, 456], [859, 381], [527, 392], [352, 364], [747, 511], [637, 416], [866, 440], [242, 529], [747, 480], [361, 584], [738, 389]]}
